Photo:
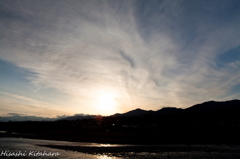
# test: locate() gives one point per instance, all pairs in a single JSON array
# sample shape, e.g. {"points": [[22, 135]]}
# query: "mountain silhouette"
{"points": [[169, 111], [210, 122], [210, 107], [136, 112], [213, 106], [232, 106]]}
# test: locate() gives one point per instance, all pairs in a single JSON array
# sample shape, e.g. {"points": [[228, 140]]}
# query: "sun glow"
{"points": [[106, 103]]}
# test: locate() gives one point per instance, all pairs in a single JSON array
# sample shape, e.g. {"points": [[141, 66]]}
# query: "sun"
{"points": [[106, 103]]}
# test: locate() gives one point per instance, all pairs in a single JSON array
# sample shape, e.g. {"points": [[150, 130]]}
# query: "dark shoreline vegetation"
{"points": [[207, 123]]}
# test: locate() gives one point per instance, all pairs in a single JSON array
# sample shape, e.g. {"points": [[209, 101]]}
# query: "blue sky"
{"points": [[105, 57]]}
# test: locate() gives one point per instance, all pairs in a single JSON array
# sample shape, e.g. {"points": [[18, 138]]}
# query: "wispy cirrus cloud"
{"points": [[20, 105], [149, 54]]}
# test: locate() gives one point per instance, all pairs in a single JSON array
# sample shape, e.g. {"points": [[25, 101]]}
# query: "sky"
{"points": [[66, 57]]}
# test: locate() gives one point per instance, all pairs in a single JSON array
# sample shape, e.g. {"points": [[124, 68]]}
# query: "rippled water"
{"points": [[183, 151], [30, 145]]}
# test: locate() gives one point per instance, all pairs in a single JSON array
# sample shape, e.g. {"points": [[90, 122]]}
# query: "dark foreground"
{"points": [[70, 131], [202, 138]]}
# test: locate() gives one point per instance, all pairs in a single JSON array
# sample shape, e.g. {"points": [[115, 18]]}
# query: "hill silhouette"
{"points": [[206, 107], [79, 117], [135, 112], [206, 123]]}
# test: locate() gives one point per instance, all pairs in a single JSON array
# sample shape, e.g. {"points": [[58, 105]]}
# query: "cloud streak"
{"points": [[21, 105]]}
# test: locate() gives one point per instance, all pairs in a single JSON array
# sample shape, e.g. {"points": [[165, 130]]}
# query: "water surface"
{"points": [[82, 150]]}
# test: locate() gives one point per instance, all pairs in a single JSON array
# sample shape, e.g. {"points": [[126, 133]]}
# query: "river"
{"points": [[29, 146], [24, 148]]}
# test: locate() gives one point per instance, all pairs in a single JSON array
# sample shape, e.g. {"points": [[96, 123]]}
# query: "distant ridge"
{"points": [[224, 107], [206, 107], [213, 106], [218, 108], [135, 112], [25, 118], [80, 117], [206, 123]]}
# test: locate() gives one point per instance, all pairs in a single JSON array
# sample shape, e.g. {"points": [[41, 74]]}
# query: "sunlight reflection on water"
{"points": [[203, 151], [105, 145], [107, 157], [29, 145]]}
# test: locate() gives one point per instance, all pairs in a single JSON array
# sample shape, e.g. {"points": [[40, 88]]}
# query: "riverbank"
{"points": [[158, 151], [133, 138], [80, 150]]}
